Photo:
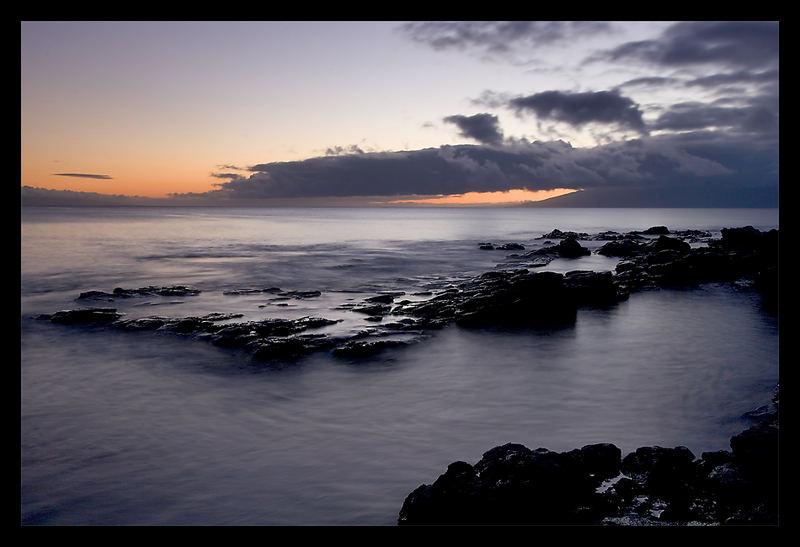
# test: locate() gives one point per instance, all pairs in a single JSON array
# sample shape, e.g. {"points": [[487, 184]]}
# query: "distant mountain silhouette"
{"points": [[696, 196]]}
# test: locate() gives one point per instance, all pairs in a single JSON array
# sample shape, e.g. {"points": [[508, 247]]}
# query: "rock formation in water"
{"points": [[595, 485], [518, 298]]}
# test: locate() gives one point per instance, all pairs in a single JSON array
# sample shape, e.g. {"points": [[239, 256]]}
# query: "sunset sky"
{"points": [[400, 112]]}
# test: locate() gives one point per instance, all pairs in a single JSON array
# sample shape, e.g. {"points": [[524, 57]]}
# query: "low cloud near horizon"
{"points": [[668, 160]]}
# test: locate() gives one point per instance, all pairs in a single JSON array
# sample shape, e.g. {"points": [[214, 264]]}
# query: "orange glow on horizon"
{"points": [[476, 198], [134, 181]]}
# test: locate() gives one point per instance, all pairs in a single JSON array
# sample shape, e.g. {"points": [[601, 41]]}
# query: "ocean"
{"points": [[157, 428]]}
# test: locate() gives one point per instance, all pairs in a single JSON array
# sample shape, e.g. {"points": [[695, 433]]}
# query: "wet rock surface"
{"points": [[173, 290], [741, 254], [595, 485], [516, 298], [83, 316]]}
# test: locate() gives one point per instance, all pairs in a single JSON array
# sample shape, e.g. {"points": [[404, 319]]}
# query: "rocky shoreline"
{"points": [[513, 484], [595, 485], [519, 297]]}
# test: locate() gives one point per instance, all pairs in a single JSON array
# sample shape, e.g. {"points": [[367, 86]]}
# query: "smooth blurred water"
{"points": [[151, 429]]}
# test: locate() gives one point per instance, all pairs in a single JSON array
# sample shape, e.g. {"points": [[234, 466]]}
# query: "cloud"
{"points": [[732, 44], [68, 198], [83, 175], [724, 162], [483, 128], [696, 115], [768, 77], [499, 37], [343, 150], [581, 108], [226, 175], [650, 81]]}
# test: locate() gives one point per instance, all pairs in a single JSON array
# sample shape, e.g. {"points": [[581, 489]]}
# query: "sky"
{"points": [[404, 113]]}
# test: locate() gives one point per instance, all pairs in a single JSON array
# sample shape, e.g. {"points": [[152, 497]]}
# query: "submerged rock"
{"points": [[363, 348], [486, 246], [272, 348], [302, 294], [372, 309], [172, 290], [271, 290]]}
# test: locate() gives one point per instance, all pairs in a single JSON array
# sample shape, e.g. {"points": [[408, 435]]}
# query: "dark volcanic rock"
{"points": [[287, 348], [558, 234], [593, 288], [302, 294], [656, 230], [143, 323], [85, 315], [363, 348], [606, 236], [234, 292], [670, 243], [622, 248], [172, 290], [568, 247], [742, 253], [372, 309], [516, 298], [512, 484], [748, 238], [500, 298], [512, 247], [504, 247], [381, 298], [268, 339]]}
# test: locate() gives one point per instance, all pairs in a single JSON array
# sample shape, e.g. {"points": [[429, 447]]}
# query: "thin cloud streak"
{"points": [[730, 44], [83, 175]]}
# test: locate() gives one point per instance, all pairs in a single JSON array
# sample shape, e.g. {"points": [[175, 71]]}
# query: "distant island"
{"points": [[687, 196]]}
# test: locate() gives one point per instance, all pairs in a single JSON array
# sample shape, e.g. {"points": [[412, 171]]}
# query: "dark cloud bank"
{"points": [[720, 153], [697, 169]]}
